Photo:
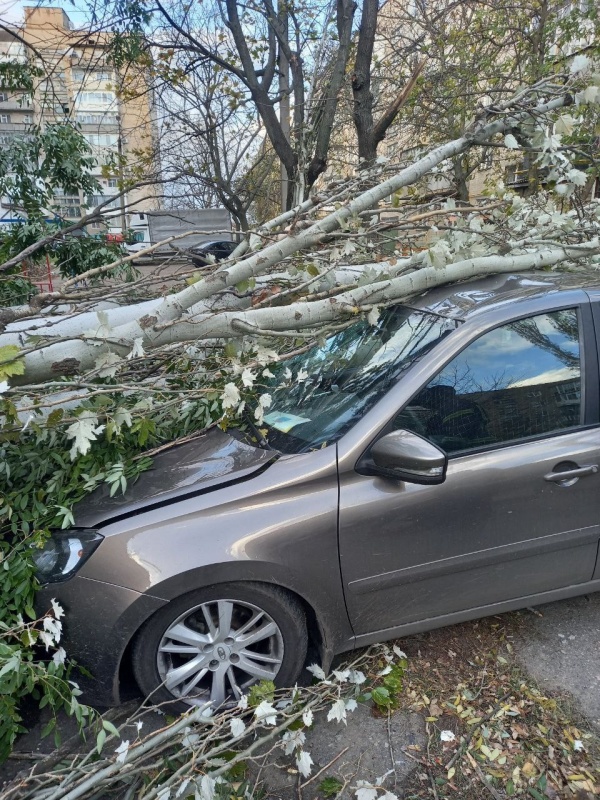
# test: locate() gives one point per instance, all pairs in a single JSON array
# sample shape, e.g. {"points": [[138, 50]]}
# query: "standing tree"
{"points": [[211, 142]]}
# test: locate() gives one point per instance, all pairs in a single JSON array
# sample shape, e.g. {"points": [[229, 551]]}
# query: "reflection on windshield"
{"points": [[333, 385]]}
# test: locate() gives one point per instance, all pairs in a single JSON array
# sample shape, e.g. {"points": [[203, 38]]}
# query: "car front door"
{"points": [[518, 513]]}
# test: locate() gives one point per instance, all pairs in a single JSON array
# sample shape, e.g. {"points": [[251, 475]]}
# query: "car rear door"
{"points": [[518, 514]]}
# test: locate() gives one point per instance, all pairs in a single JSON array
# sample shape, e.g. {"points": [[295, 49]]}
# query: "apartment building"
{"points": [[79, 84]]}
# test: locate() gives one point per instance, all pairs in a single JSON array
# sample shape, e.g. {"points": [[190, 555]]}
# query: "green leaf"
{"points": [[330, 786], [381, 697], [108, 726], [100, 739], [48, 727], [10, 363]]}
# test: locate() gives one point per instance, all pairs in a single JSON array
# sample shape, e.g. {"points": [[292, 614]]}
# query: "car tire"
{"points": [[211, 645]]}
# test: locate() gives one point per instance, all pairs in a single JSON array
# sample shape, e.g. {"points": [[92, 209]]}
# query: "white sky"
{"points": [[11, 11]]}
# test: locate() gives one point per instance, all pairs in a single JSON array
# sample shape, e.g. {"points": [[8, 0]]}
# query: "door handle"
{"points": [[571, 474]]}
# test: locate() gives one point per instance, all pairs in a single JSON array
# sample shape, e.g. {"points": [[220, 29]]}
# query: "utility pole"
{"points": [[284, 101]]}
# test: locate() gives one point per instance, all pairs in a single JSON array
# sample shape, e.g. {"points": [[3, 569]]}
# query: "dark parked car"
{"points": [[436, 467], [201, 255]]}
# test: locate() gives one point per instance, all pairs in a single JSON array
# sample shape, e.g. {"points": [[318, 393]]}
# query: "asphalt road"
{"points": [[561, 650]]}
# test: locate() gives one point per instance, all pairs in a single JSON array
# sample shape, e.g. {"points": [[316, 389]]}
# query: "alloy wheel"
{"points": [[216, 650]]}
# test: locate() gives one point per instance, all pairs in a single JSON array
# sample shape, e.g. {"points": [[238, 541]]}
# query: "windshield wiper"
{"points": [[262, 442]]}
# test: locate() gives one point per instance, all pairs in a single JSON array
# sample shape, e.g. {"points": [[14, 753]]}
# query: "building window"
{"points": [[3, 97], [96, 99], [6, 139], [4, 118], [89, 118], [81, 75], [27, 119], [101, 139], [113, 183], [68, 205], [566, 9], [94, 200]]}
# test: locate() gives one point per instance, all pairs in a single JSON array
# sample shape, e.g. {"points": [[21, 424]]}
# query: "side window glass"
{"points": [[517, 381]]}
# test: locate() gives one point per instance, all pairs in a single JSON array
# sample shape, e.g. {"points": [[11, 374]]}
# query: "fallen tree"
{"points": [[183, 316], [88, 390]]}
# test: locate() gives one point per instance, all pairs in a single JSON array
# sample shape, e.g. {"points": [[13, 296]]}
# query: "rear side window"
{"points": [[518, 381]]}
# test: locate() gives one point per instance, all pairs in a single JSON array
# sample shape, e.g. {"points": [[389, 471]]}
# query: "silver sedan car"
{"points": [[437, 466]]}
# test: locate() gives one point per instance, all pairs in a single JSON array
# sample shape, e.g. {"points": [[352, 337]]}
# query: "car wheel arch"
{"points": [[320, 631]]}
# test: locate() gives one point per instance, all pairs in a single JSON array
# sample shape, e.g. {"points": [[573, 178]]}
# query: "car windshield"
{"points": [[318, 395]]}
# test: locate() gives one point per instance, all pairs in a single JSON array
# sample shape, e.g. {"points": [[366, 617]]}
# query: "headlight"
{"points": [[64, 553]]}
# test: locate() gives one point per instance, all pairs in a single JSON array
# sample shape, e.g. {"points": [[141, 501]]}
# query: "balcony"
{"points": [[13, 126]]}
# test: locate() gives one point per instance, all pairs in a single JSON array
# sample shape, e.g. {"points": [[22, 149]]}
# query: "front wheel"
{"points": [[213, 644]]}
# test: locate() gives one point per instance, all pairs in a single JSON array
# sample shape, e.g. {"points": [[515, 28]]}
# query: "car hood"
{"points": [[204, 464]]}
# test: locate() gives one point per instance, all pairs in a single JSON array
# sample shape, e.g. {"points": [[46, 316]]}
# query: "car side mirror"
{"points": [[405, 456]]}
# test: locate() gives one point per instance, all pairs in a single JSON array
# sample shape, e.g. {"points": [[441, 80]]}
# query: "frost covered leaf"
{"points": [[439, 255], [190, 739], [265, 356], [388, 796], [243, 702], [316, 670], [398, 652], [206, 788], [164, 793], [307, 717], [59, 656], [373, 315], [384, 671], [57, 609], [591, 94], [122, 416], [182, 787], [341, 675], [351, 705], [121, 751], [348, 248], [580, 64], [365, 791], [304, 763], [511, 142], [3, 386], [565, 124], [292, 740], [231, 396], [301, 376], [106, 364], [337, 712], [577, 177], [266, 713], [264, 401], [237, 727], [83, 431], [578, 745], [137, 351], [248, 378], [357, 677], [447, 736]]}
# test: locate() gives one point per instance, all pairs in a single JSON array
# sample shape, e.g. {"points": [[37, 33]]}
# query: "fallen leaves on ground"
{"points": [[510, 739]]}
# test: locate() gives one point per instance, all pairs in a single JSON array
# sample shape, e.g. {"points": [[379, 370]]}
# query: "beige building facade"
{"points": [[113, 109]]}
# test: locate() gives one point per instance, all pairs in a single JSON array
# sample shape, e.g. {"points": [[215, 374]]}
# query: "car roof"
{"points": [[463, 300]]}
